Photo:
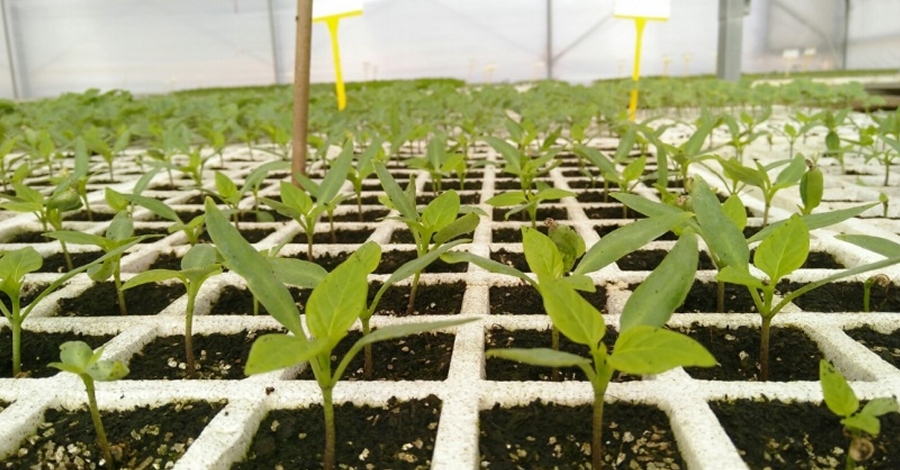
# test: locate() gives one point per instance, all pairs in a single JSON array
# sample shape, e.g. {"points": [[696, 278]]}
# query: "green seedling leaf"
{"points": [[154, 275], [645, 206], [509, 198], [461, 226], [441, 211], [540, 357], [552, 194], [792, 173], [486, 263], [277, 351], [295, 198], [226, 188], [862, 422], [77, 238], [199, 256], [570, 313], [815, 221], [722, 236], [879, 245], [645, 349], [248, 263], [741, 277], [570, 245], [654, 300], [121, 227], [784, 251], [734, 170], [733, 208], [399, 331], [337, 301], [837, 393], [15, 264], [76, 354], [400, 200], [541, 254], [880, 406], [107, 371], [629, 238], [297, 272], [336, 174]]}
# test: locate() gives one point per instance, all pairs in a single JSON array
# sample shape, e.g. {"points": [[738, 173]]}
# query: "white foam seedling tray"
{"points": [[701, 440]]}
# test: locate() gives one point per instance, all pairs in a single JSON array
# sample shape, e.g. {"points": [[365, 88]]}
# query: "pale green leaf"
{"points": [[540, 357], [784, 251], [541, 254], [570, 313], [837, 392], [882, 246], [645, 349], [277, 351]]}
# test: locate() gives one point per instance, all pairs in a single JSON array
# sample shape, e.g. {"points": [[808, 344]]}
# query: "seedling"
{"points": [[885, 202], [14, 266], [333, 307], [781, 252], [48, 210], [437, 161], [526, 169], [78, 358], [364, 168], [322, 197], [438, 223], [119, 233], [199, 264], [880, 280], [643, 345], [192, 230], [100, 145], [743, 130], [859, 423], [759, 177], [812, 187]]}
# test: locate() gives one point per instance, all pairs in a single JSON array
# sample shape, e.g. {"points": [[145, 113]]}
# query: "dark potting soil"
{"points": [[543, 435], [524, 299], [27, 294], [514, 259], [588, 184], [141, 438], [417, 357], [612, 211], [591, 196], [82, 216], [391, 260], [326, 260], [166, 260], [398, 435], [512, 235], [815, 260], [792, 355], [512, 184], [30, 237], [844, 297], [504, 370], [158, 233], [217, 356], [431, 299], [56, 263], [886, 345], [101, 300], [604, 230], [251, 234], [342, 236], [369, 215], [465, 198], [702, 299], [454, 184], [239, 301], [543, 213], [788, 436], [648, 260], [40, 349]]}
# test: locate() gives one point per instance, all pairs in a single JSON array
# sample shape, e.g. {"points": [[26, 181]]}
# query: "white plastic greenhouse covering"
{"points": [[150, 46]]}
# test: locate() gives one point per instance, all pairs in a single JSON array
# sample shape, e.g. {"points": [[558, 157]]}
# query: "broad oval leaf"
{"points": [[509, 198], [653, 302], [154, 275], [461, 226], [722, 236], [784, 251], [337, 301], [541, 253], [107, 370], [441, 211], [298, 272], [837, 392], [645, 349], [76, 354], [199, 256], [15, 264], [544, 357], [277, 351], [570, 313]]}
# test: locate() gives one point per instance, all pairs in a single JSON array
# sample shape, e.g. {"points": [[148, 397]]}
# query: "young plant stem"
{"points": [[368, 365], [554, 343], [117, 280], [15, 324], [69, 265], [720, 296], [189, 338], [330, 437], [597, 434], [95, 417], [411, 306], [764, 349]]}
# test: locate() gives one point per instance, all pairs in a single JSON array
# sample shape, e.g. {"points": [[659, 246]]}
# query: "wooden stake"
{"points": [[301, 88]]}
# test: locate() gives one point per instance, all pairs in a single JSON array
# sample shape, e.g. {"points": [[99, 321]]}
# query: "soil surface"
{"points": [[341, 236], [788, 436], [101, 300], [887, 346], [612, 211], [370, 215], [845, 297], [391, 260], [702, 299], [239, 301], [554, 436], [503, 370], [512, 235], [56, 263], [141, 438], [218, 356], [524, 299], [432, 299], [792, 354], [418, 357], [40, 349], [398, 435], [252, 235], [604, 230], [543, 213], [648, 260]]}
